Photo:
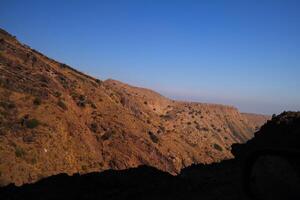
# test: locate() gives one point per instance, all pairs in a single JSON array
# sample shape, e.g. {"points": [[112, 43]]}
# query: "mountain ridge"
{"points": [[57, 119]]}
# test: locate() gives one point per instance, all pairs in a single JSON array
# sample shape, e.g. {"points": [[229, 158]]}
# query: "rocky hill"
{"points": [[224, 180], [55, 119], [256, 120]]}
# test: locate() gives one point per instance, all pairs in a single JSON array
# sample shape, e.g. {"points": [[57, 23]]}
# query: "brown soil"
{"points": [[55, 119]]}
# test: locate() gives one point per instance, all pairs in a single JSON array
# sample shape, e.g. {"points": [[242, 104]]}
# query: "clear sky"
{"points": [[243, 53]]}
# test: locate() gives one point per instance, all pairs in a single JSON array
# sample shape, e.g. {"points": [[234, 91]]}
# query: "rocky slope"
{"points": [[56, 119], [224, 180], [256, 120]]}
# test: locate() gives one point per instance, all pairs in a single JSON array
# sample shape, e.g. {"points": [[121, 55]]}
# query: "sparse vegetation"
{"points": [[84, 168], [107, 135], [7, 105], [28, 138], [153, 137], [81, 101], [123, 101], [57, 94], [32, 123], [218, 147], [94, 127], [204, 129], [19, 152], [62, 65], [163, 129], [62, 104], [33, 160], [166, 117], [63, 81], [98, 81], [37, 101], [119, 132], [34, 59], [44, 79], [74, 95], [93, 105]]}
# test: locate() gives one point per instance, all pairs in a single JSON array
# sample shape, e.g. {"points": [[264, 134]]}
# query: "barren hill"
{"points": [[224, 180], [257, 120], [56, 119]]}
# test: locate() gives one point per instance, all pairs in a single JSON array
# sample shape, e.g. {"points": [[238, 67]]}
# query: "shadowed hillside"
{"points": [[55, 119]]}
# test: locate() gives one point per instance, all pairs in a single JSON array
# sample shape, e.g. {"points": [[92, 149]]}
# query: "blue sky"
{"points": [[243, 53]]}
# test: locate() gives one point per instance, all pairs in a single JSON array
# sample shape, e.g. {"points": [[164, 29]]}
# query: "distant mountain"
{"points": [[55, 119], [256, 120]]}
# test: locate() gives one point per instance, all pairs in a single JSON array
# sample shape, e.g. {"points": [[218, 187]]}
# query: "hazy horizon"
{"points": [[241, 53]]}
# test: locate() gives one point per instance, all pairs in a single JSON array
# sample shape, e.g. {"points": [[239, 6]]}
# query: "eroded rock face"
{"points": [[256, 120], [55, 119]]}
